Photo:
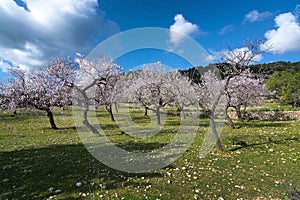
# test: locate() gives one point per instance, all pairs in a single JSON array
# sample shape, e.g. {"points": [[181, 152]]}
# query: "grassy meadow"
{"points": [[261, 160]]}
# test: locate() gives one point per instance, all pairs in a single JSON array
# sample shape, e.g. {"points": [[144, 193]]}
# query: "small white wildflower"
{"points": [[57, 191], [79, 184]]}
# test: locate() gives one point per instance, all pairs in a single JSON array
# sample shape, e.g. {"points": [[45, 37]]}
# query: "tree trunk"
{"points": [[296, 104], [109, 109], [51, 119], [146, 111], [230, 122], [158, 115], [215, 133], [183, 114], [239, 113], [85, 110], [86, 122], [245, 107], [116, 107]]}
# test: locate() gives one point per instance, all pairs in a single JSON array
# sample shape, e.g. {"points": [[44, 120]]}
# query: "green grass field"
{"points": [[260, 161]]}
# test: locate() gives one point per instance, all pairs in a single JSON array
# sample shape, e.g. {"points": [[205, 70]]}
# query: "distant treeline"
{"points": [[270, 68], [265, 69]]}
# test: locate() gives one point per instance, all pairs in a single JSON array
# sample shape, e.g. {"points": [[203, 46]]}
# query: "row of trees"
{"points": [[154, 88], [280, 78], [100, 82]]}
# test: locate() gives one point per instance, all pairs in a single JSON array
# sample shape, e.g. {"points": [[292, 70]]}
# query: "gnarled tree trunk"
{"points": [[215, 133], [157, 111], [146, 111], [51, 119], [239, 113], [116, 107], [230, 122], [86, 122], [109, 109]]}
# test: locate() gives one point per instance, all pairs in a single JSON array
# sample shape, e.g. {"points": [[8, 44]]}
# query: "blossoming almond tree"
{"points": [[12, 92], [244, 90], [151, 88], [41, 88], [212, 100], [238, 78], [155, 87], [235, 63], [185, 94], [104, 92], [94, 85]]}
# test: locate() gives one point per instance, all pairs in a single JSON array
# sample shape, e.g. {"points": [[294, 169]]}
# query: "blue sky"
{"points": [[34, 31]]}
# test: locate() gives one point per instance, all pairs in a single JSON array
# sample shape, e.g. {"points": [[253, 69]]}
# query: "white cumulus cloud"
{"points": [[180, 29], [286, 36], [44, 29], [254, 16], [226, 29]]}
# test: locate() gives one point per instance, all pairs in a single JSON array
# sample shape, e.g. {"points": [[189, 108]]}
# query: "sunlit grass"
{"points": [[260, 160]]}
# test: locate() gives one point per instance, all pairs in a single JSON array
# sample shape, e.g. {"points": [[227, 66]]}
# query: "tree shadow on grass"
{"points": [[23, 114], [141, 146], [68, 128], [107, 127], [243, 144], [61, 128], [31, 172], [101, 115]]}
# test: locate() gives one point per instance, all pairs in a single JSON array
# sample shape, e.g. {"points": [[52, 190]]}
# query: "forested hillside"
{"points": [[265, 69]]}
